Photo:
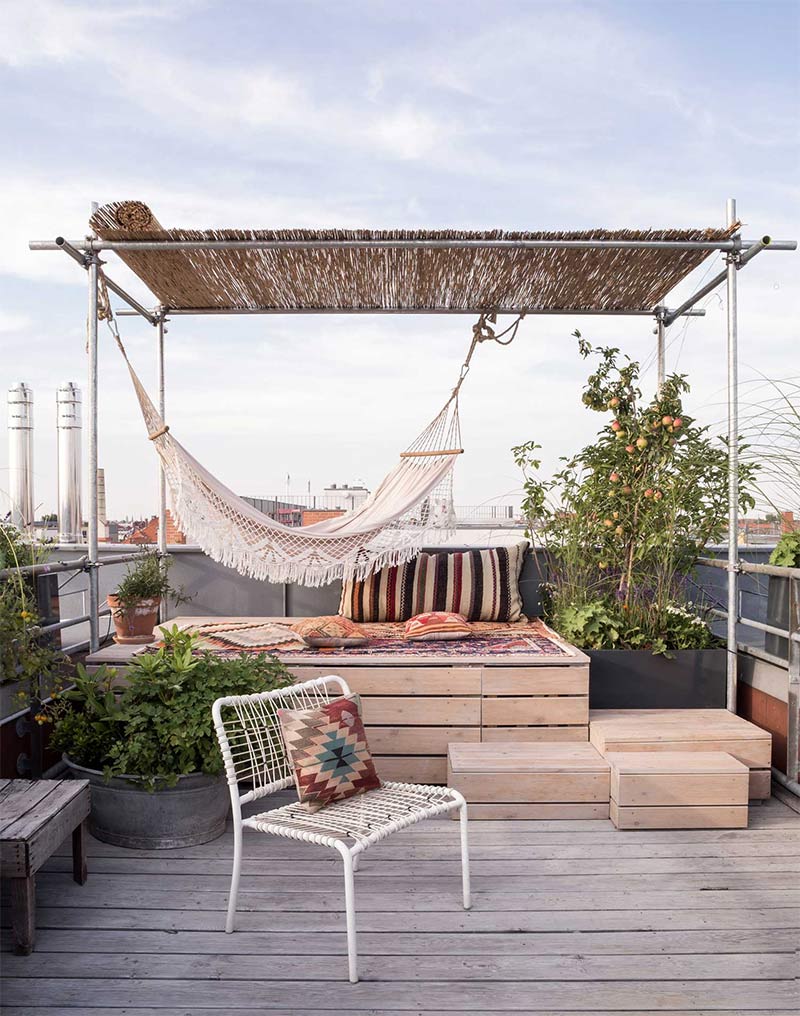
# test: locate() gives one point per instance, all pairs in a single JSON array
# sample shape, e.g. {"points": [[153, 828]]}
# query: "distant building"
{"points": [[343, 496], [769, 529], [312, 515], [148, 533]]}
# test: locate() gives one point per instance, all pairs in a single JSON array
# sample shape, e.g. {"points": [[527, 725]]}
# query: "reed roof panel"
{"points": [[477, 278]]}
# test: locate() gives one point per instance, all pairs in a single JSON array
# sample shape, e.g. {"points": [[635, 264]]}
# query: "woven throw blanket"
{"points": [[529, 638]]}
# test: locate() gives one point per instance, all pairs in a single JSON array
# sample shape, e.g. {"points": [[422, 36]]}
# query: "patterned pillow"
{"points": [[385, 595], [328, 750], [332, 630], [482, 585], [435, 626]]}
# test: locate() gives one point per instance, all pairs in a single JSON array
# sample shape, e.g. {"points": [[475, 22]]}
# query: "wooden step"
{"points": [[542, 780]]}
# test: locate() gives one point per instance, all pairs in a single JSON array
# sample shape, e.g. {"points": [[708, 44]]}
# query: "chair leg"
{"points": [[465, 856], [237, 870], [350, 908], [356, 861]]}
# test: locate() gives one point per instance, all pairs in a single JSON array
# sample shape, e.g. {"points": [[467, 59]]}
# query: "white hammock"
{"points": [[414, 501]]}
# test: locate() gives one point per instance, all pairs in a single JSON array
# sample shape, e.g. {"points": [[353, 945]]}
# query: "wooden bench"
{"points": [[36, 818], [519, 780], [678, 790]]}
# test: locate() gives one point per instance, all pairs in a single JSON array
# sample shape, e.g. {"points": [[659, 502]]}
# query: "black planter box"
{"points": [[636, 679], [777, 615]]}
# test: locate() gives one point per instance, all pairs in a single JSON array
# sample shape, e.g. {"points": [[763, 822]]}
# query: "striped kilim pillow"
{"points": [[328, 750], [385, 595], [481, 585]]}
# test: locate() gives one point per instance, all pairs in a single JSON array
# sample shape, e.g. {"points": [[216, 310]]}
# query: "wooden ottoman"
{"points": [[684, 730], [547, 780], [37, 816], [678, 790]]}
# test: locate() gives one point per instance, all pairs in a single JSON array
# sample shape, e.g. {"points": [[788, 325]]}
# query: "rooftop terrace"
{"points": [[567, 917]]}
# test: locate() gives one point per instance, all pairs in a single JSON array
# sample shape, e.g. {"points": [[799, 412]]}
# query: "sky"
{"points": [[457, 113]]}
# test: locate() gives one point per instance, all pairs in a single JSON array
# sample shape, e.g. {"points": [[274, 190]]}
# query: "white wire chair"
{"points": [[248, 731]]}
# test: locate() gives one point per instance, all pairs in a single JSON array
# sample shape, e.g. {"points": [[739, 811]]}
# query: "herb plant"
{"points": [[145, 579]]}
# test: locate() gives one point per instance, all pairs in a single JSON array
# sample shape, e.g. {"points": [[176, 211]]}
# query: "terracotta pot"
{"points": [[134, 625]]}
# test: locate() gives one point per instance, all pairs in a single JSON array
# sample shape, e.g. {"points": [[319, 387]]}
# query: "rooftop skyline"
{"points": [[471, 115]]}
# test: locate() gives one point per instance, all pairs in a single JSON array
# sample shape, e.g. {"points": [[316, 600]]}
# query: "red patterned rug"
{"points": [[532, 638]]}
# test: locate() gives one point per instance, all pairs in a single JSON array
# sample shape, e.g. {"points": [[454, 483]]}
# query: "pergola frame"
{"points": [[737, 253]]}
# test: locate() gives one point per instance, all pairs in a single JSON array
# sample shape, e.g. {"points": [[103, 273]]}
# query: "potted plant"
{"points": [[134, 605], [623, 523], [147, 744]]}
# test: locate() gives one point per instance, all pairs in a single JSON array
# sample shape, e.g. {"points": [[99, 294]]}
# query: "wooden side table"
{"points": [[36, 816]]}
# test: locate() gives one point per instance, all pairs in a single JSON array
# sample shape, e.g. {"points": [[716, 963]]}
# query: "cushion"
{"points": [[331, 630], [328, 751], [481, 585], [437, 625], [385, 595], [266, 636]]}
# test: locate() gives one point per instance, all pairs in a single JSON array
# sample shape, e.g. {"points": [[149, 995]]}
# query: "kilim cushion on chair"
{"points": [[332, 630], [437, 625], [328, 750]]}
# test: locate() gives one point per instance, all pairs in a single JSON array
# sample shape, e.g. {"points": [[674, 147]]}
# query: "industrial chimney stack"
{"points": [[68, 415], [20, 455]]}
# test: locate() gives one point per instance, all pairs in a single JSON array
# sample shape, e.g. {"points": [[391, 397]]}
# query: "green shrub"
{"points": [[787, 552], [158, 726], [24, 655]]}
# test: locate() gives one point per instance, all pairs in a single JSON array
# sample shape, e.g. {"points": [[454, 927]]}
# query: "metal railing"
{"points": [[81, 564], [791, 634]]}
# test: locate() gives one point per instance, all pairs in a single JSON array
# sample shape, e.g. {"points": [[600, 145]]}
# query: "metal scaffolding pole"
{"points": [[733, 467], [661, 347], [92, 535], [162, 480]]}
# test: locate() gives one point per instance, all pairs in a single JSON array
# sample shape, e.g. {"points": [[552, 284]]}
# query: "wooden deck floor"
{"points": [[568, 917]]}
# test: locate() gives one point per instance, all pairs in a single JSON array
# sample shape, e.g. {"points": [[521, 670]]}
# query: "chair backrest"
{"points": [[249, 735]]}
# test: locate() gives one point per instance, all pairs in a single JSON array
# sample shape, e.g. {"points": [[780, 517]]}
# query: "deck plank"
{"points": [[568, 917]]}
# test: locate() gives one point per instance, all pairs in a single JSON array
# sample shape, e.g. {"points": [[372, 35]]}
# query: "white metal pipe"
{"points": [[69, 423], [428, 244], [92, 529], [733, 471], [711, 285], [163, 610], [20, 455], [76, 255], [515, 311], [661, 350]]}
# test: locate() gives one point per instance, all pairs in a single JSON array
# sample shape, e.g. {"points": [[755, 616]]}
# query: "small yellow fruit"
{"points": [[608, 523], [641, 442], [619, 530]]}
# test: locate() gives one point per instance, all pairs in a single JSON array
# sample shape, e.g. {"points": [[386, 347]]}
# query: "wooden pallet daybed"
{"points": [[418, 699]]}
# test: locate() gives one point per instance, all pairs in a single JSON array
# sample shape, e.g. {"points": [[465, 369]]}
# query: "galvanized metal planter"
{"points": [[636, 679], [124, 812]]}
